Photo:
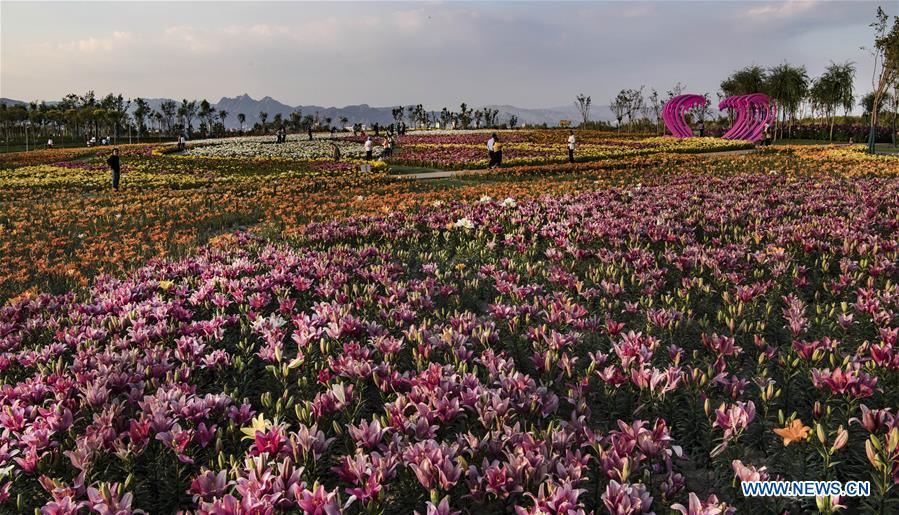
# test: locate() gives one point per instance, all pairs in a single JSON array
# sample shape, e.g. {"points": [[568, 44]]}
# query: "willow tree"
{"points": [[833, 90], [787, 85]]}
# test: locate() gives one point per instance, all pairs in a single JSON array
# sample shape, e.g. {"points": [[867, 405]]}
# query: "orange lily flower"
{"points": [[796, 431]]}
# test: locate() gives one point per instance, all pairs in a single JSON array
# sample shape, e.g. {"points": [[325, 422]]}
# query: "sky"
{"points": [[527, 54]]}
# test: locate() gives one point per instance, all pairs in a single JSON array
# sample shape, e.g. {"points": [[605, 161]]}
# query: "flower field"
{"points": [[295, 148], [467, 151], [239, 331]]}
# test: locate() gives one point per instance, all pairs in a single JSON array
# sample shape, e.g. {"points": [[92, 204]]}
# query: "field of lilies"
{"points": [[640, 333], [466, 151]]}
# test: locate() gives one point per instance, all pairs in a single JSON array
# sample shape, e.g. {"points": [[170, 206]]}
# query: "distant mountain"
{"points": [[364, 113]]}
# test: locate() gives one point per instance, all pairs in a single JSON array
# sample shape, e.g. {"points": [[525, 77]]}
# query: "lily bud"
{"points": [[842, 438]]}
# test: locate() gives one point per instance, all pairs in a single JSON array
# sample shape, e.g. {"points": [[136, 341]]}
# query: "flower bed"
{"points": [[295, 148], [639, 348], [522, 148]]}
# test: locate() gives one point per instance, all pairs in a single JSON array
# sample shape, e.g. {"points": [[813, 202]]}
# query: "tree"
{"points": [[618, 106], [834, 90], [222, 116], [787, 85], [752, 79], [397, 113], [343, 121], [478, 116], [630, 102], [653, 109], [867, 103], [186, 112], [241, 118], [205, 113], [296, 120], [582, 102], [886, 65], [141, 112], [464, 115], [445, 117], [168, 108], [263, 117]]}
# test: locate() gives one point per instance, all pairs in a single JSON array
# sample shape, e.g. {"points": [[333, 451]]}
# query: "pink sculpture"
{"points": [[673, 114], [753, 113]]}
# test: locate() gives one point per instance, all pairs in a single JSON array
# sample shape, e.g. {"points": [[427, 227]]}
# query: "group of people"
{"points": [[495, 150], [106, 140], [282, 134]]}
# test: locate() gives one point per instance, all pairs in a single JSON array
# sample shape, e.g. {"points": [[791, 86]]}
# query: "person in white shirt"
{"points": [[490, 155], [368, 145], [50, 143], [572, 141]]}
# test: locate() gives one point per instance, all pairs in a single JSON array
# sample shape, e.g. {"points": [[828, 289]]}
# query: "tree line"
{"points": [[78, 118]]}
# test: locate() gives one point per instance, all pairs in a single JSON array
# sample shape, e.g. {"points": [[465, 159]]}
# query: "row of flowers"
{"points": [[523, 150]]}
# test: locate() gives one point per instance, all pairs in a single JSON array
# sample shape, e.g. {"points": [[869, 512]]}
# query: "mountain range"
{"points": [[364, 113]]}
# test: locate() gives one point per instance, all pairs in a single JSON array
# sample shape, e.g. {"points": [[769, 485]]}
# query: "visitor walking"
{"points": [[385, 148], [572, 141], [115, 166], [497, 153], [50, 143], [490, 143], [336, 152], [701, 128], [182, 143], [377, 129], [766, 135], [367, 146]]}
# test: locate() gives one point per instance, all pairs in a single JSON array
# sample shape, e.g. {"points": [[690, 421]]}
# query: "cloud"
{"points": [[783, 10], [97, 44]]}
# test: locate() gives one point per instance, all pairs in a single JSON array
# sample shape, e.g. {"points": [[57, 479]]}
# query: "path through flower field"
{"points": [[247, 328]]}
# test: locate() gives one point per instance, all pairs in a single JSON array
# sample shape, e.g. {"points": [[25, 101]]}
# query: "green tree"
{"points": [[141, 112], [787, 85], [751, 79]]}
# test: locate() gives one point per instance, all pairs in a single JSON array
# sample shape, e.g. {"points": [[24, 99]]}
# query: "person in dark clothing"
{"points": [[115, 166], [336, 151], [497, 153], [702, 128], [377, 129], [309, 130]]}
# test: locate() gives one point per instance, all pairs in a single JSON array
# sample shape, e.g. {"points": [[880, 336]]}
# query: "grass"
{"points": [[410, 170]]}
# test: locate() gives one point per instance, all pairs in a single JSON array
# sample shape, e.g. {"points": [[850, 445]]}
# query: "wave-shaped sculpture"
{"points": [[753, 113], [673, 114]]}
